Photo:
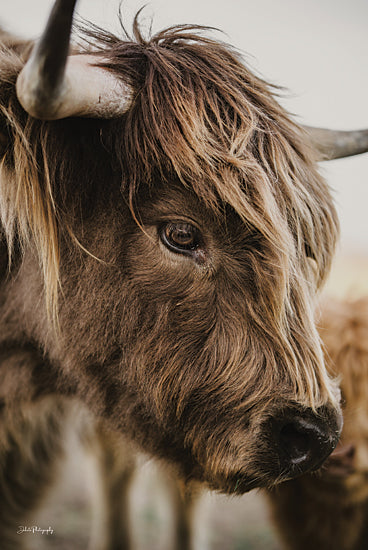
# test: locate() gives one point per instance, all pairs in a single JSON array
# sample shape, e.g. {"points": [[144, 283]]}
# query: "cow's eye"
{"points": [[181, 237]]}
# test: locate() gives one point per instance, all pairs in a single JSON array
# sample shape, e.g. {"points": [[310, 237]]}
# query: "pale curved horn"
{"points": [[335, 144], [53, 85]]}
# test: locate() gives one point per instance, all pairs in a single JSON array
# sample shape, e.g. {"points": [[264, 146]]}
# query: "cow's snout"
{"points": [[303, 439]]}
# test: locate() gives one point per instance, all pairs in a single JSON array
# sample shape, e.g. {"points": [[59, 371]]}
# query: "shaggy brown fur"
{"points": [[329, 510], [193, 355]]}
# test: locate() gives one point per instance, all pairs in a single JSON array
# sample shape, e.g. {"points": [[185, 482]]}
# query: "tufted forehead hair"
{"points": [[200, 116]]}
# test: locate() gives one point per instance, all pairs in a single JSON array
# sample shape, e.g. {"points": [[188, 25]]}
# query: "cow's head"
{"points": [[194, 231]]}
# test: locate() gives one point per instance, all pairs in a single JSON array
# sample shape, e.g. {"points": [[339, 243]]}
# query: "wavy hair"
{"points": [[198, 115]]}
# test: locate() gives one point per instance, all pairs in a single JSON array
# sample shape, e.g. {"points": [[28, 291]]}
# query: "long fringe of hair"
{"points": [[198, 115]]}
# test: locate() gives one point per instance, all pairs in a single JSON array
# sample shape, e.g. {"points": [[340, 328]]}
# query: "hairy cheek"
{"points": [[160, 275]]}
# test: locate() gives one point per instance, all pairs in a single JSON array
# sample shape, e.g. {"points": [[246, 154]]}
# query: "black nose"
{"points": [[304, 439]]}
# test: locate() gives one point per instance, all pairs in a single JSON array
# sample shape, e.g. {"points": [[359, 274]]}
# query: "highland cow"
{"points": [[329, 510], [165, 231]]}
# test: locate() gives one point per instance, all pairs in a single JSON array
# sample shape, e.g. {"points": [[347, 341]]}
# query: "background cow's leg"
{"points": [[115, 468], [111, 523], [184, 498]]}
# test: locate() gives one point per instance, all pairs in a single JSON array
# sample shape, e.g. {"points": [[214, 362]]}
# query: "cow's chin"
{"points": [[236, 483]]}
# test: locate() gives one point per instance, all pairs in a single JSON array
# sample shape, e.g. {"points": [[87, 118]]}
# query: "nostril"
{"points": [[295, 442], [299, 441], [304, 444]]}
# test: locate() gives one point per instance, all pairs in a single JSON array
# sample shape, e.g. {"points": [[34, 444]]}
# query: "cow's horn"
{"points": [[53, 85], [335, 144]]}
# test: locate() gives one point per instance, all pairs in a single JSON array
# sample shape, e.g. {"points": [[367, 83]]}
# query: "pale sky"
{"points": [[317, 49]]}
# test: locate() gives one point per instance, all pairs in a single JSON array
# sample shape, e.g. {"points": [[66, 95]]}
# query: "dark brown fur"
{"points": [[189, 359]]}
